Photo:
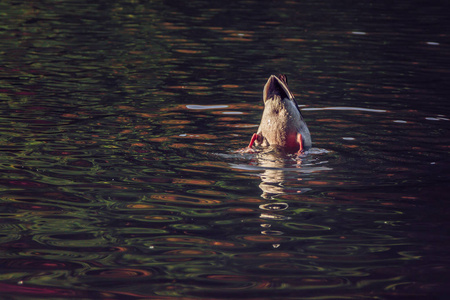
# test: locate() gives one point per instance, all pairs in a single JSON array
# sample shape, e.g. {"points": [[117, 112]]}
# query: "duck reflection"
{"points": [[282, 177], [278, 169]]}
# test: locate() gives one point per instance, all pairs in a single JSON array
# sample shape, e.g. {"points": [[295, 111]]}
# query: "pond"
{"points": [[120, 130]]}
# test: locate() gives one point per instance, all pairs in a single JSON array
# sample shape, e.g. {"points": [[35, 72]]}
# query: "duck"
{"points": [[282, 125]]}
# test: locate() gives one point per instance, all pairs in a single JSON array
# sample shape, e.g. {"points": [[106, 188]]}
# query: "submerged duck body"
{"points": [[282, 125]]}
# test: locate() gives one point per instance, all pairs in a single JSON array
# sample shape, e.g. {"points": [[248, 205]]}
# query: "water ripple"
{"points": [[121, 175]]}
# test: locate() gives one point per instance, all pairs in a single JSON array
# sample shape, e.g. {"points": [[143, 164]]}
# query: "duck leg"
{"points": [[252, 141], [300, 142]]}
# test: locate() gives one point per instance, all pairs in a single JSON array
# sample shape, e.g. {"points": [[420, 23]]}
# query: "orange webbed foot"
{"points": [[252, 141], [300, 142], [249, 148]]}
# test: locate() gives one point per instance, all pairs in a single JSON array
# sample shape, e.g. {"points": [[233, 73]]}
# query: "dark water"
{"points": [[120, 178]]}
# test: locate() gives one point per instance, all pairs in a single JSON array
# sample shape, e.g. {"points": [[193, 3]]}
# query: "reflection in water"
{"points": [[272, 185], [278, 170], [118, 126], [346, 108]]}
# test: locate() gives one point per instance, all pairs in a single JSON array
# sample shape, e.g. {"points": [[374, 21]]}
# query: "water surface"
{"points": [[119, 130]]}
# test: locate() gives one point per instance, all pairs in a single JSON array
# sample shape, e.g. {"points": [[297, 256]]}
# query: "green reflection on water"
{"points": [[105, 164]]}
